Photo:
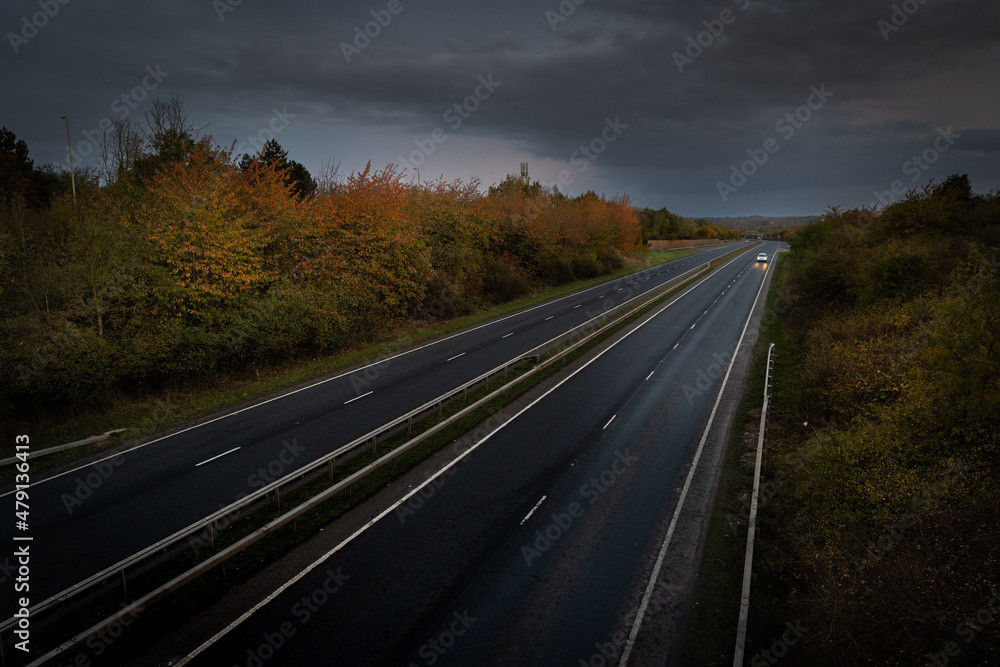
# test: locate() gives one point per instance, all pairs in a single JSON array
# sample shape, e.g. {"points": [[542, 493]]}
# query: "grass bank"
{"points": [[179, 404]]}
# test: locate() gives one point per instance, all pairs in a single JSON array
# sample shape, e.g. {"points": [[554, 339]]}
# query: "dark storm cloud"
{"points": [[895, 74], [981, 142]]}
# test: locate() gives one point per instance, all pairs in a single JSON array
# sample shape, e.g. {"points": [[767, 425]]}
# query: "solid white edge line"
{"points": [[687, 485], [318, 383], [537, 505], [319, 561], [217, 456], [358, 398]]}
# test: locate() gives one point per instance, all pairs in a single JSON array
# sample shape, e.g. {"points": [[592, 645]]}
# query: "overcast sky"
{"points": [[672, 101]]}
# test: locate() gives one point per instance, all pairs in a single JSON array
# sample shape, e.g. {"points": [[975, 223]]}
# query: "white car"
{"points": [[762, 257]]}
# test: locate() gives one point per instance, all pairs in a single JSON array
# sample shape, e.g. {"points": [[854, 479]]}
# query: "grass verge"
{"points": [[173, 406]]}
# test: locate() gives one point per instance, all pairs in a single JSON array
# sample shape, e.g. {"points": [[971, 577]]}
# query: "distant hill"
{"points": [[764, 224]]}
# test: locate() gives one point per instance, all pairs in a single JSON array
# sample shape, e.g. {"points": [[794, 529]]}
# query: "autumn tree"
{"points": [[215, 229], [370, 249]]}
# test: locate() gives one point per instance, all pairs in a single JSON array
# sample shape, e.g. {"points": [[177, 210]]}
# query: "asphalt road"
{"points": [[534, 547], [89, 518]]}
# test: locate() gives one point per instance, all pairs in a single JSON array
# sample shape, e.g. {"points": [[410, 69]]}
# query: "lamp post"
{"points": [[69, 147]]}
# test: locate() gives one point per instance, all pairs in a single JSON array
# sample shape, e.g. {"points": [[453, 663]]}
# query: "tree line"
{"points": [[177, 259], [880, 531]]}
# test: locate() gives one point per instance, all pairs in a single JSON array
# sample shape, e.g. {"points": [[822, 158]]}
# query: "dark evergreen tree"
{"points": [[297, 176]]}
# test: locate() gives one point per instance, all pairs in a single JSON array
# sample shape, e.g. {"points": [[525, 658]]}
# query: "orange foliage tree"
{"points": [[369, 247], [222, 234]]}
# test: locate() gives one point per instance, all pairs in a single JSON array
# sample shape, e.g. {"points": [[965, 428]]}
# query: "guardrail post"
{"points": [[331, 469], [121, 574]]}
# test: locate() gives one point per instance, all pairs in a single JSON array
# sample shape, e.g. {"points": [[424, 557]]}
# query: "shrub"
{"points": [[586, 266], [502, 282], [611, 261], [556, 270], [443, 299]]}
